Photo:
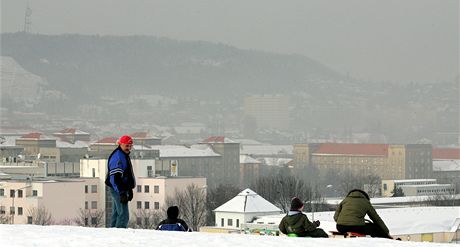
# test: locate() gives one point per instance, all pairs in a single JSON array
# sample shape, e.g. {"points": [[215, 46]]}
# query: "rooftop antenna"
{"points": [[27, 19]]}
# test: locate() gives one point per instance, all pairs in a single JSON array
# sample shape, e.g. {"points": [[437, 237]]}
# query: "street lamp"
{"points": [[14, 195]]}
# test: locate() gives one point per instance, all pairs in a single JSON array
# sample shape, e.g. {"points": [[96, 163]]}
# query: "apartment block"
{"points": [[62, 198], [389, 161]]}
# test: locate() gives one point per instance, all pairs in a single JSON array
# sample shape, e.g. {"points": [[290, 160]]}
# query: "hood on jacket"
{"points": [[358, 194]]}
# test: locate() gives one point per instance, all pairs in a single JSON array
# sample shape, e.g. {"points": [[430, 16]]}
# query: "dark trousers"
{"points": [[317, 233], [369, 229]]}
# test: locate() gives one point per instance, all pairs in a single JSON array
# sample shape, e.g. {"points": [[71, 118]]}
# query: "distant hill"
{"points": [[88, 66]]}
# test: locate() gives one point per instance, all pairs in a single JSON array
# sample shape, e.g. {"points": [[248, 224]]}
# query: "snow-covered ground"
{"points": [[51, 236]]}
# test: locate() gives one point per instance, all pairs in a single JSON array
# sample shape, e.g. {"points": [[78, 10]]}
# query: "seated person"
{"points": [[172, 223], [295, 222], [351, 212]]}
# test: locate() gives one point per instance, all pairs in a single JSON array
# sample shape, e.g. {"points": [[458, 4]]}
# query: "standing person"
{"points": [[121, 180], [173, 223], [296, 222], [351, 212]]}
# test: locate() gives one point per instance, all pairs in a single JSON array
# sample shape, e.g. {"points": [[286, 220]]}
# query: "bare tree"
{"points": [[145, 219], [40, 216], [280, 190], [4, 218], [218, 196], [372, 185], [192, 205], [91, 218]]}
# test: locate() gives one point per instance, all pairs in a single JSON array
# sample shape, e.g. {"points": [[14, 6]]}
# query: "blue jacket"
{"points": [[120, 174]]}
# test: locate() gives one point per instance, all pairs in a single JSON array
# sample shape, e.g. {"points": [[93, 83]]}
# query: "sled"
{"points": [[347, 235]]}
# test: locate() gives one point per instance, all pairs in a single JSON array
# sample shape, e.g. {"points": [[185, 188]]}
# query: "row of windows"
{"points": [[93, 205], [156, 205], [156, 189], [12, 210], [20, 193], [229, 222], [93, 189], [435, 191]]}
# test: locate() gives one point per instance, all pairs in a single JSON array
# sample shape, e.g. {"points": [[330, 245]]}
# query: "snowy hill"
{"points": [[50, 236]]}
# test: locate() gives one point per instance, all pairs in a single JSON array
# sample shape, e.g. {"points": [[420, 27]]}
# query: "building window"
{"points": [[29, 219], [146, 221], [94, 172], [94, 205], [12, 211], [156, 189], [2, 192], [229, 222], [20, 210], [237, 222], [222, 222], [86, 221], [93, 221], [20, 193], [2, 209], [147, 205], [146, 189], [139, 204], [11, 193], [139, 220], [93, 188], [34, 193], [157, 205], [385, 187], [86, 189], [139, 188], [86, 205]]}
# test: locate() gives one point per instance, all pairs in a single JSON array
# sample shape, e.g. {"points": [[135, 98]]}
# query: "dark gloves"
{"points": [[123, 198], [316, 223], [130, 195]]}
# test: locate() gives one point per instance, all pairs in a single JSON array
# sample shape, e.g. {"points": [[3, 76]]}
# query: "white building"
{"points": [[243, 208]]}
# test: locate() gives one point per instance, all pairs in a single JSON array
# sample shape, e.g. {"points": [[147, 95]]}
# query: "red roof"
{"points": [[139, 135], [108, 140], [446, 153], [353, 149], [215, 139], [68, 131], [34, 135]]}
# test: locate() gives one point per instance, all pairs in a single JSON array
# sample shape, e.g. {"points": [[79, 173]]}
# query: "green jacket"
{"points": [[297, 223], [353, 208]]}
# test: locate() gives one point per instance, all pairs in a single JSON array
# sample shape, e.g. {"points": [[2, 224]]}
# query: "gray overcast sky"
{"points": [[395, 40]]}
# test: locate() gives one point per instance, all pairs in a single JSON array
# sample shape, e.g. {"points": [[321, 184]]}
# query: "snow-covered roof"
{"points": [[8, 141], [176, 151], [218, 139], [392, 200], [446, 165], [248, 142], [36, 136], [246, 159], [77, 144], [248, 201], [71, 131], [400, 221], [268, 150], [414, 180]]}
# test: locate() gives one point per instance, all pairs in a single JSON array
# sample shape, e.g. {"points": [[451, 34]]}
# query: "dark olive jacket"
{"points": [[297, 223], [353, 208]]}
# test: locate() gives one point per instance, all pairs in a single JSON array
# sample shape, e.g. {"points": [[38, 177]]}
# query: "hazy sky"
{"points": [[396, 40]]}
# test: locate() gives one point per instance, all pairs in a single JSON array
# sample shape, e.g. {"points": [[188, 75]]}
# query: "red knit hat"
{"points": [[125, 140]]}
